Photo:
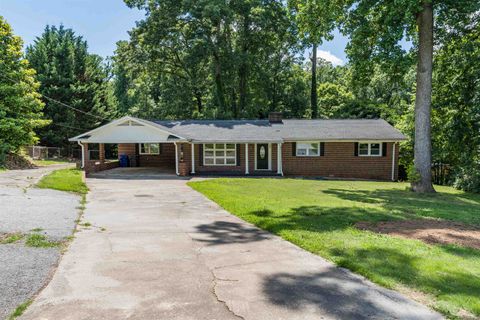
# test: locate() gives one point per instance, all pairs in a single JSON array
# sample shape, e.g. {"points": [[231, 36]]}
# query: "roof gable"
{"points": [[127, 130]]}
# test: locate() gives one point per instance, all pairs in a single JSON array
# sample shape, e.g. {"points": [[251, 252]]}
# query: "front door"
{"points": [[262, 156]]}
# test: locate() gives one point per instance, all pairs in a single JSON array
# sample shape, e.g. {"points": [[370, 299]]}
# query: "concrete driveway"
{"points": [[159, 250]]}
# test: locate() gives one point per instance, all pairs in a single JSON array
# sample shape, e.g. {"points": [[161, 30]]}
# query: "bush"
{"points": [[412, 174], [467, 178]]}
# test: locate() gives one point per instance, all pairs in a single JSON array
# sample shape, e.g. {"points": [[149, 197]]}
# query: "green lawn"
{"points": [[64, 180], [319, 217], [43, 163]]}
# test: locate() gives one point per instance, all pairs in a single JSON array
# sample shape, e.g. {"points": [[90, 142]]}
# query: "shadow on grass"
{"points": [[462, 207], [385, 261], [316, 218]]}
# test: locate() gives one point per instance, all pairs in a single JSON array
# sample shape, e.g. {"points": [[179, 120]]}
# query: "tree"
{"points": [[20, 104], [376, 30], [75, 85], [209, 59], [315, 24]]}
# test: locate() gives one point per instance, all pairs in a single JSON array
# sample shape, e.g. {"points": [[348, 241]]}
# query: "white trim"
{"points": [[269, 157], [279, 159], [346, 140], [120, 120], [147, 153], [193, 159], [369, 143], [308, 155], [393, 162], [247, 169], [83, 153], [176, 159], [224, 157]]}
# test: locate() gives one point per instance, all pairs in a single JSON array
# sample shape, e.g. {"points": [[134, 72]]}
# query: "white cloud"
{"points": [[327, 55]]}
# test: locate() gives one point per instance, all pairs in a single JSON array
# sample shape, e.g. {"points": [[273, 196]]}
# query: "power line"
{"points": [[59, 102]]}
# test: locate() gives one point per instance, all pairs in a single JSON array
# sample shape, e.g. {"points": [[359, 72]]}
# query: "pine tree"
{"points": [[20, 104]]}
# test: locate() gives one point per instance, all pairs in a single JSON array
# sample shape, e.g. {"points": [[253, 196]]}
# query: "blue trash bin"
{"points": [[123, 160]]}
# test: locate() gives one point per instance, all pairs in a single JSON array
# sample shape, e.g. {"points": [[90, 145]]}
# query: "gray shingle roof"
{"points": [[289, 130]]}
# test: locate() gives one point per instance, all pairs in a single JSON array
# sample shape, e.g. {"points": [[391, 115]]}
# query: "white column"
{"points": [[393, 161], [246, 159], [193, 158], [176, 158], [279, 159]]}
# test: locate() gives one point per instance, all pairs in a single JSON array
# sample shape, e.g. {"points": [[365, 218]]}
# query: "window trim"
{"points": [[214, 157], [308, 155], [369, 153], [149, 149]]}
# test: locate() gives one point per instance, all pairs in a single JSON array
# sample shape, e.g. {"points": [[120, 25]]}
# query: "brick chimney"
{"points": [[275, 117]]}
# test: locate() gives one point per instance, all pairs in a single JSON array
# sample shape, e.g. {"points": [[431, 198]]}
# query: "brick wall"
{"points": [[340, 161], [164, 160]]}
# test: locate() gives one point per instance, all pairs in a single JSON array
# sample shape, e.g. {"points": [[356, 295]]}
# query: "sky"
{"points": [[102, 23]]}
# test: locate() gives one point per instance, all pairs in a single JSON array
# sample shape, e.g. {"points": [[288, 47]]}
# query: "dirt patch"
{"points": [[427, 230]]}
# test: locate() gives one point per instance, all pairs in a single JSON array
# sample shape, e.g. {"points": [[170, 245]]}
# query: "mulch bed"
{"points": [[428, 230]]}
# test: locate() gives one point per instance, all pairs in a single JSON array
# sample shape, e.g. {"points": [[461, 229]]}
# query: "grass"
{"points": [[319, 217], [64, 180], [40, 241], [12, 238], [20, 310], [42, 163]]}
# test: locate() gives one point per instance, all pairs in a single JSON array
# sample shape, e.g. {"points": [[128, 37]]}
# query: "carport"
{"points": [[143, 143]]}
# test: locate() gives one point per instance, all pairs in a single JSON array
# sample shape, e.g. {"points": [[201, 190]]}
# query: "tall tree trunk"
{"points": [[313, 93], [423, 100], [198, 98], [220, 91], [243, 69]]}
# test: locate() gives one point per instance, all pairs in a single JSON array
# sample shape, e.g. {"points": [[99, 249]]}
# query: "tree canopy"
{"points": [[20, 104], [73, 82]]}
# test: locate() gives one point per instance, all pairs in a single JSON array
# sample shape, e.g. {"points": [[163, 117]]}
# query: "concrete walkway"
{"points": [[169, 253]]}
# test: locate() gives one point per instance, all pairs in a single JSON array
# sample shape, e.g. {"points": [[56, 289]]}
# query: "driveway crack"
{"points": [[214, 291]]}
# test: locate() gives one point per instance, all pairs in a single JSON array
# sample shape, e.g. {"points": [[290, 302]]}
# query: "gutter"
{"points": [[83, 153]]}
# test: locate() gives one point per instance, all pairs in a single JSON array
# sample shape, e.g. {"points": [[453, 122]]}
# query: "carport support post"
{"points": [[193, 159], [101, 151], [176, 158], [279, 159], [246, 159]]}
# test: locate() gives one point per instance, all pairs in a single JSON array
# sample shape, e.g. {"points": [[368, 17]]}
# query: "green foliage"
{"points": [[412, 174], [36, 240], [12, 238], [209, 60], [71, 75], [20, 310], [319, 216], [64, 180], [468, 178], [20, 104]]}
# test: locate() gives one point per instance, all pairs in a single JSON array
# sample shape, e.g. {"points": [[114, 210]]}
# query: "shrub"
{"points": [[467, 178], [412, 174]]}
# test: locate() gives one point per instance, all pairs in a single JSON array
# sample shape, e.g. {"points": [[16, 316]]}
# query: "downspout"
{"points": [[83, 153], [393, 161]]}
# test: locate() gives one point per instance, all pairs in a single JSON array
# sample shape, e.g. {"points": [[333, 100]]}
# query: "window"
{"points": [[219, 154], [94, 151], [370, 149], [149, 148], [308, 149]]}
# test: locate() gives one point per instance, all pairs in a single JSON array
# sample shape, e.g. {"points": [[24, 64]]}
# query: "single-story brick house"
{"points": [[366, 149]]}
